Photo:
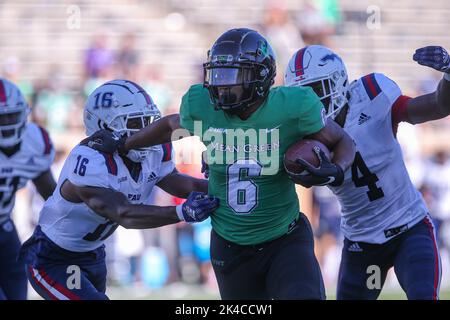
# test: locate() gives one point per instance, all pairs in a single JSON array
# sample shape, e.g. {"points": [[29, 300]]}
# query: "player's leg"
{"points": [[294, 271], [63, 282], [59, 274], [96, 272], [238, 273], [13, 280], [417, 264], [363, 270]]}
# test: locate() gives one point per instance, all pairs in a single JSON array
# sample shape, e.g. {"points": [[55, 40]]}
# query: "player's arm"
{"points": [[328, 172], [45, 184], [428, 107], [337, 141], [180, 185], [431, 106], [158, 132], [114, 206]]}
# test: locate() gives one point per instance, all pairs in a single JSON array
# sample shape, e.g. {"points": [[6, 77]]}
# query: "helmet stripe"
{"points": [[299, 62], [141, 90], [2, 92]]}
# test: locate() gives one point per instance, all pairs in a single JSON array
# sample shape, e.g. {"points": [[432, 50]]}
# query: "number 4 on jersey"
{"points": [[368, 178]]}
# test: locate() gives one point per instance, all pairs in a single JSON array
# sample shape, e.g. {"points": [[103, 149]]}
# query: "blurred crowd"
{"points": [[180, 253]]}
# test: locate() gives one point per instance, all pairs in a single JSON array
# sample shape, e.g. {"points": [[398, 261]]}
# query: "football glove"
{"points": [[106, 141], [197, 207], [434, 57], [327, 173]]}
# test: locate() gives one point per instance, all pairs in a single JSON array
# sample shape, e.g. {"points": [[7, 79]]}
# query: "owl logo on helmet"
{"points": [[14, 111], [123, 107], [323, 70]]}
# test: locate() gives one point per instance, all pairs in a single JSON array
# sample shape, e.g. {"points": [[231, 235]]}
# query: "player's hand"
{"points": [[205, 166], [197, 207], [434, 57], [327, 173], [105, 141]]}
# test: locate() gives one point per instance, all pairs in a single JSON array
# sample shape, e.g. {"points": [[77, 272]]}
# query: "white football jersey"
{"points": [[34, 157], [377, 197], [74, 226]]}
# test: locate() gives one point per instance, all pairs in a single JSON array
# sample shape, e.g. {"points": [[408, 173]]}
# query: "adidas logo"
{"points": [[152, 176], [31, 162], [354, 247], [363, 118]]}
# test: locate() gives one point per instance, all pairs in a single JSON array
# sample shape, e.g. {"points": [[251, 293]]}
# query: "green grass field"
{"points": [[185, 292]]}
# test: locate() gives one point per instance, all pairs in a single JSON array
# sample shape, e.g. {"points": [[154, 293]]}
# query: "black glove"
{"points": [[197, 207], [327, 173], [105, 141], [434, 57]]}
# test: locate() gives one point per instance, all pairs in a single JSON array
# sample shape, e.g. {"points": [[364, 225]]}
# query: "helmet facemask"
{"points": [[12, 125], [129, 124], [331, 91], [234, 87]]}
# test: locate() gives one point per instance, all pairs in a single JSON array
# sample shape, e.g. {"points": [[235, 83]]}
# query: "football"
{"points": [[303, 149]]}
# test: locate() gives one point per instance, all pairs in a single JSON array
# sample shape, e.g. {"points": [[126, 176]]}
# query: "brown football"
{"points": [[303, 149]]}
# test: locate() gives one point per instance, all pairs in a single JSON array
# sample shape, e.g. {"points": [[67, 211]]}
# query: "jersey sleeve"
{"points": [[167, 162], [394, 106], [194, 106], [382, 91], [40, 145], [88, 167], [306, 108]]}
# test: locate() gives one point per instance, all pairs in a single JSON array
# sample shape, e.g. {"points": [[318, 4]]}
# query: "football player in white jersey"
{"points": [[384, 218], [26, 153], [97, 192]]}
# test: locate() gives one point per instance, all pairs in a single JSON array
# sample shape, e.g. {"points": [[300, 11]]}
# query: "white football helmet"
{"points": [[323, 70], [14, 111], [123, 107]]}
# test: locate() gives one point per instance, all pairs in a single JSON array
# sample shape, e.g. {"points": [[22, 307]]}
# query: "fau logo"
{"points": [[329, 57], [134, 197]]}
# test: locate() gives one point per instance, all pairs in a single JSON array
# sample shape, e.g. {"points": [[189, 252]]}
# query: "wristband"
{"points": [[179, 209]]}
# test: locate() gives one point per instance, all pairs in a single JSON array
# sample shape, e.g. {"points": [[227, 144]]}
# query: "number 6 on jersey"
{"points": [[242, 192]]}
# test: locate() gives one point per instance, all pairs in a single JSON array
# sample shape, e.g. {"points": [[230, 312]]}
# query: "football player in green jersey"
{"points": [[261, 244]]}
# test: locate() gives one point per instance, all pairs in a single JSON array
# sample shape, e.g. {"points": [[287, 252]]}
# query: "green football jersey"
{"points": [[258, 201]]}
